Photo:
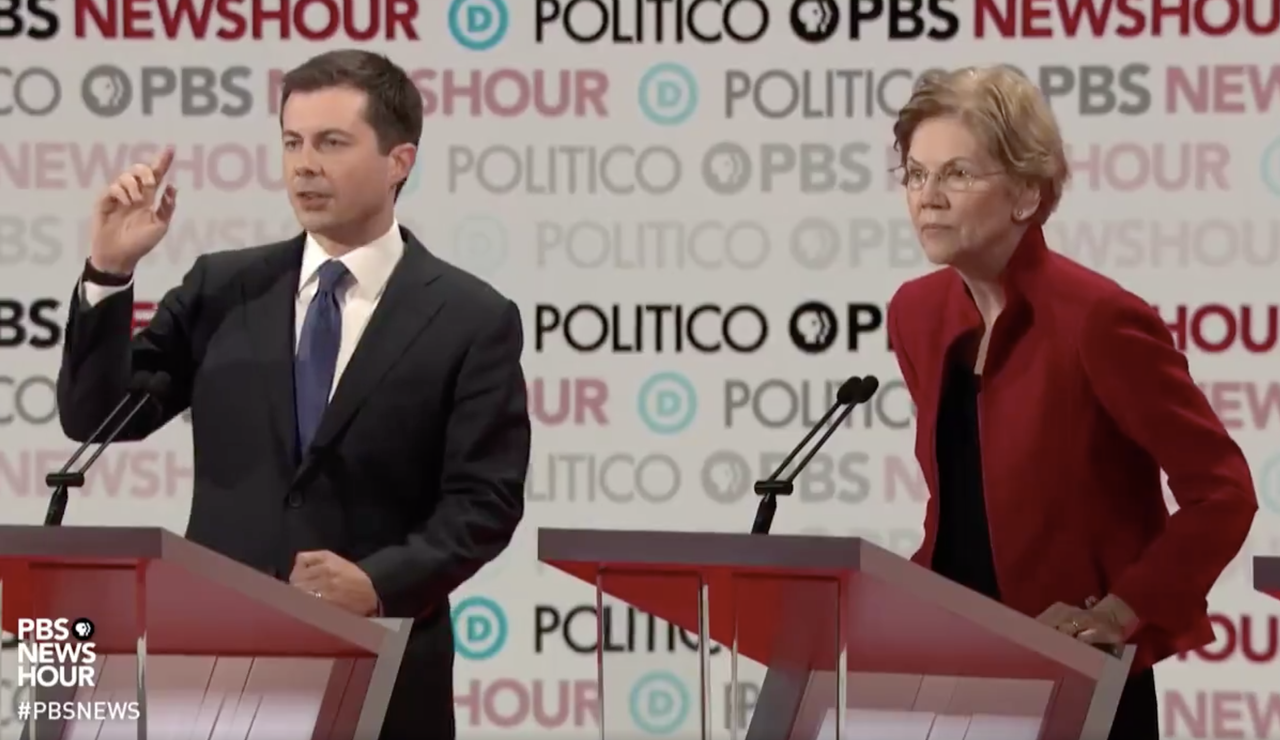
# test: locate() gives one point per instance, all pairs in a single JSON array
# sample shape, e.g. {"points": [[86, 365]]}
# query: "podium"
{"points": [[912, 654], [1266, 575], [189, 643]]}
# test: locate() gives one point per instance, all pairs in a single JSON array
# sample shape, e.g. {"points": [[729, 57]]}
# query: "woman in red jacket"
{"points": [[1050, 399]]}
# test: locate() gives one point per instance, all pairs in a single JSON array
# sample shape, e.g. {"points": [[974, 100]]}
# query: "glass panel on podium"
{"points": [[651, 661], [919, 671], [659, 673], [789, 625], [912, 669], [215, 662], [75, 675]]}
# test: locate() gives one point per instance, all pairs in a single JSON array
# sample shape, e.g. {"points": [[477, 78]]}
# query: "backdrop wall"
{"points": [[742, 187]]}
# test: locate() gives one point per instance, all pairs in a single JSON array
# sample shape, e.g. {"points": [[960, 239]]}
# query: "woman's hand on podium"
{"points": [[1106, 622]]}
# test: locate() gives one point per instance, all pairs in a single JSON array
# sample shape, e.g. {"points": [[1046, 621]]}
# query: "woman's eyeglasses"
{"points": [[950, 178]]}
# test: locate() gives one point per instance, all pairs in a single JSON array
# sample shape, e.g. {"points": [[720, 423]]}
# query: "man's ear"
{"points": [[403, 158]]}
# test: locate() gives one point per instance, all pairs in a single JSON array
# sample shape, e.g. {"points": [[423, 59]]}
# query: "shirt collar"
{"points": [[370, 266]]}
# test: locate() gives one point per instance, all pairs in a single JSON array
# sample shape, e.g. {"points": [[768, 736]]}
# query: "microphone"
{"points": [[852, 392], [144, 389]]}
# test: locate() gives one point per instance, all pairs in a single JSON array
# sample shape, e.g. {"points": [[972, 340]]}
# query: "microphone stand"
{"points": [[62, 481], [852, 392], [771, 488]]}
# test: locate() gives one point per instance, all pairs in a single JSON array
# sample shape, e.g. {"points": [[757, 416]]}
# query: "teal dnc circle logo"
{"points": [[668, 94], [480, 245], [1270, 167], [667, 403], [478, 25], [479, 628], [659, 703]]}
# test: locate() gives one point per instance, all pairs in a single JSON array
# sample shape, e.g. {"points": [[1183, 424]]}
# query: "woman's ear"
{"points": [[1026, 203]]}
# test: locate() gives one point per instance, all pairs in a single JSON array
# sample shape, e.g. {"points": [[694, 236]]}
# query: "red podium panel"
{"points": [[912, 653], [1266, 575], [185, 632]]}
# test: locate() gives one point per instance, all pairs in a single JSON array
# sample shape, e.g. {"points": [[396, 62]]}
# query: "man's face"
{"points": [[335, 173]]}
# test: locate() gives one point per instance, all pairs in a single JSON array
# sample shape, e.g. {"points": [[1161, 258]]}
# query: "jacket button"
{"points": [[295, 500]]}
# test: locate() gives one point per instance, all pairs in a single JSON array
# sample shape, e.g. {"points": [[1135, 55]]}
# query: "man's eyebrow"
{"points": [[323, 132]]}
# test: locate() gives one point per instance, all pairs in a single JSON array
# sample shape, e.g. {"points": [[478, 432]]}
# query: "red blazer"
{"points": [[1085, 399]]}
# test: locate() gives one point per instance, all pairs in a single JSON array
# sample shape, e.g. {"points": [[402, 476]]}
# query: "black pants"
{"points": [[1137, 717], [421, 706]]}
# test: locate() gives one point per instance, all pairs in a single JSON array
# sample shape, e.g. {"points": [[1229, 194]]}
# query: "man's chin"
{"points": [[313, 220]]}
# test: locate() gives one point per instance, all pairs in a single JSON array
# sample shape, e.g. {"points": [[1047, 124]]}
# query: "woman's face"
{"points": [[960, 199]]}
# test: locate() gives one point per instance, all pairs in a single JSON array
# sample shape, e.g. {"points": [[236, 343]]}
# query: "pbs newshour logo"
{"points": [[56, 652]]}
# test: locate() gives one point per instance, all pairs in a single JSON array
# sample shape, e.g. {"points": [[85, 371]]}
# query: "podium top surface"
{"points": [[189, 593], [904, 600], [88, 544], [1266, 575], [671, 549]]}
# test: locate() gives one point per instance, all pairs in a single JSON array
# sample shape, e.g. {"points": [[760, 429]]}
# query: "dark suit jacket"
{"points": [[417, 471], [1085, 400]]}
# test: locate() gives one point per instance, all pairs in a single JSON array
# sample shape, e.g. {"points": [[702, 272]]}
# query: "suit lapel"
{"points": [[406, 308], [269, 299]]}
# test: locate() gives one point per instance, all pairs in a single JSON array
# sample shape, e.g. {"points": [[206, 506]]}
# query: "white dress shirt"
{"points": [[369, 269]]}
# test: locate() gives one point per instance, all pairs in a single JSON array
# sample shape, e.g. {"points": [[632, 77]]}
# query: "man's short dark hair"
{"points": [[394, 105]]}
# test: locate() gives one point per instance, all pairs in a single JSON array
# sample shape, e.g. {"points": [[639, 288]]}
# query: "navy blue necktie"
{"points": [[317, 358]]}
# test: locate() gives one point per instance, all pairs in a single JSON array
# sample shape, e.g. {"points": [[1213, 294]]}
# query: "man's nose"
{"points": [[305, 161]]}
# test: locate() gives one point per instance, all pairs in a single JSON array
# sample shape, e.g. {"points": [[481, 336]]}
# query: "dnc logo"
{"points": [[478, 25], [479, 628]]}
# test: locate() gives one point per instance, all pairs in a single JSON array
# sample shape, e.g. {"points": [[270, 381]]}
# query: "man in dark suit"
{"points": [[357, 405]]}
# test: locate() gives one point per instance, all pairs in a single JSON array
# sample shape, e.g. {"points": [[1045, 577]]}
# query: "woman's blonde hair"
{"points": [[1005, 109]]}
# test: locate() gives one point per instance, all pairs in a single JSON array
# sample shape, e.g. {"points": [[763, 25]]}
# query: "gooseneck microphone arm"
{"points": [[852, 392], [143, 389], [772, 484], [63, 480], [869, 386]]}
